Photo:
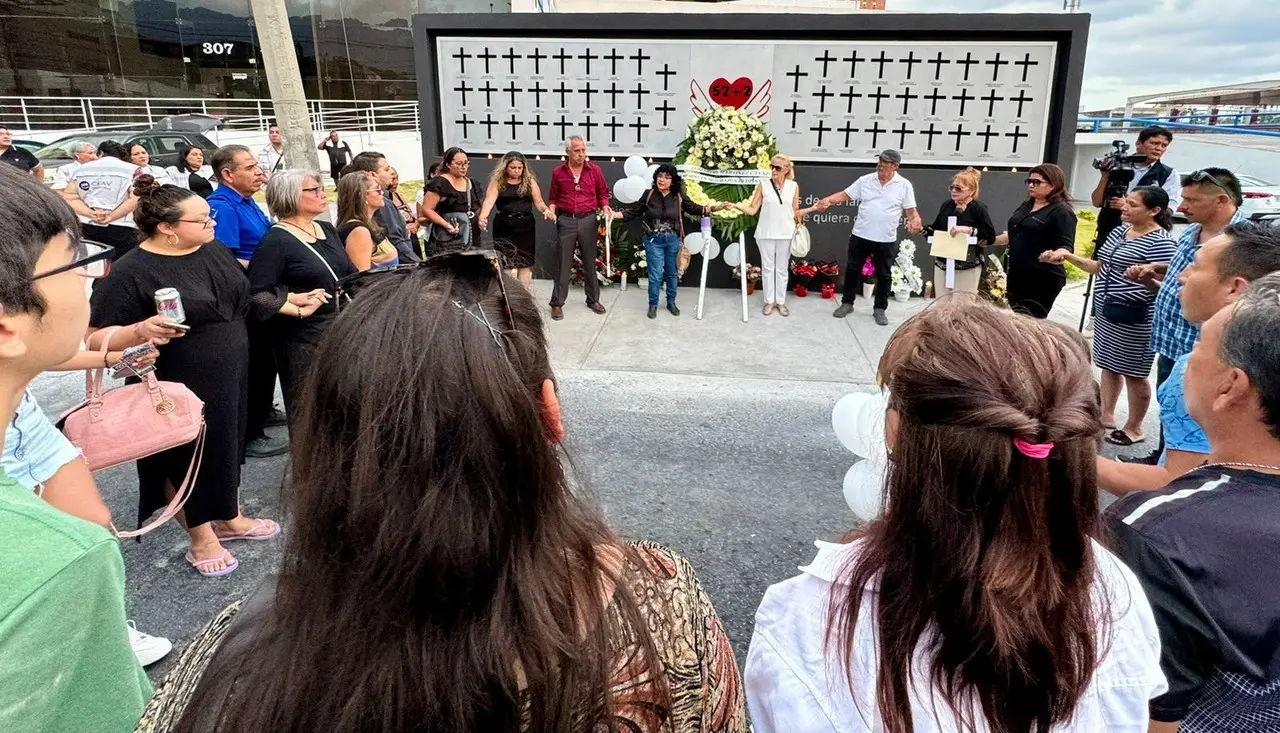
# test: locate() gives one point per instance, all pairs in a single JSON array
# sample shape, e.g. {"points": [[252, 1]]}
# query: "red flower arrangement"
{"points": [[802, 273], [801, 291], [828, 291]]}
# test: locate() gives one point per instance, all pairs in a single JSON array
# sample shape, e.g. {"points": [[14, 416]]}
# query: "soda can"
{"points": [[169, 305]]}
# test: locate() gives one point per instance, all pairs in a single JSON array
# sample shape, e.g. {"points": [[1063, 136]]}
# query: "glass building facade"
{"points": [[347, 49]]}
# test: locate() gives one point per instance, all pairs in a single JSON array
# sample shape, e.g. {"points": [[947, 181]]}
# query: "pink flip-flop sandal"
{"points": [[249, 534], [200, 565]]}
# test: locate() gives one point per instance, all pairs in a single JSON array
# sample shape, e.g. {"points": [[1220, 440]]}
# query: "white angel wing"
{"points": [[698, 99], [758, 105]]}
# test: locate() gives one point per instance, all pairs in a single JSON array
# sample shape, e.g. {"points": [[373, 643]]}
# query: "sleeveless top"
{"points": [[515, 211], [777, 220]]}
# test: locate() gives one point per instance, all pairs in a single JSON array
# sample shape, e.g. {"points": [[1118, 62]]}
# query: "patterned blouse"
{"points": [[706, 687]]}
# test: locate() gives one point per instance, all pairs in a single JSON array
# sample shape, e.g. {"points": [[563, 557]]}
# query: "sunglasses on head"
{"points": [[1201, 176], [462, 262]]}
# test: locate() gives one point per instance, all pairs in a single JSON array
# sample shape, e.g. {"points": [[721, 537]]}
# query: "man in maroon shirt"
{"points": [[578, 192]]}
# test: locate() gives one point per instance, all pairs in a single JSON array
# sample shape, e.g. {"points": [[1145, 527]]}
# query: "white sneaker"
{"points": [[147, 648]]}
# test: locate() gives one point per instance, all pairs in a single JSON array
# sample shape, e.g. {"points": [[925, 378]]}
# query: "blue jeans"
{"points": [[660, 251]]}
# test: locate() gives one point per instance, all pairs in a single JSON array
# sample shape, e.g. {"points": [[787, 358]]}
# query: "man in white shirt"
{"points": [[81, 152], [271, 158], [101, 193], [1153, 142], [884, 198]]}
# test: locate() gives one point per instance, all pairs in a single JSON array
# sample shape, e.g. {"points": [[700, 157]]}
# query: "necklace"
{"points": [[1236, 464], [311, 233]]}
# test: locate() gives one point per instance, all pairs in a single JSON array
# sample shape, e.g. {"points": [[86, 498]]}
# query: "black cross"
{"points": [[538, 91], [665, 109], [513, 123], [854, 60], [822, 98], [511, 57], [958, 133], [1016, 134], [876, 131], [930, 133], [466, 125], [563, 124], [488, 90], [796, 76], [991, 100], [966, 62], [462, 57], [613, 91], [995, 65], [986, 136], [1021, 99], [906, 98], [1026, 63], [588, 56], [613, 126], [911, 62], [849, 94], [902, 133], [794, 111], [882, 60], [821, 128], [879, 96], [487, 56], [512, 89], [537, 125], [965, 98], [613, 58], [639, 124], [488, 123], [639, 58], [537, 57], [588, 90], [562, 57], [462, 87], [587, 125], [848, 130], [666, 73], [562, 90], [639, 91], [934, 97], [937, 62], [826, 58]]}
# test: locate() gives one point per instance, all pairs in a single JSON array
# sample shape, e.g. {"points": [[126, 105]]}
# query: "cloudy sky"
{"points": [[1148, 46]]}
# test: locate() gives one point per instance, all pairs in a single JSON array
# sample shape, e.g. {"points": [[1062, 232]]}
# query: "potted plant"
{"points": [[753, 277], [868, 279]]}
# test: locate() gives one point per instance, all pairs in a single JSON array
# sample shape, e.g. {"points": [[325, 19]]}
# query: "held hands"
{"points": [[1054, 257], [101, 217], [957, 231], [548, 214], [914, 226], [822, 205], [484, 225], [1142, 274]]}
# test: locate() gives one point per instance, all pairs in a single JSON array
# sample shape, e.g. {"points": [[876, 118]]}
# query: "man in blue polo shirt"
{"points": [[240, 223]]}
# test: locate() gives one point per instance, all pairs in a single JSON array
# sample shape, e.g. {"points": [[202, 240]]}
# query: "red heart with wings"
{"points": [[733, 95]]}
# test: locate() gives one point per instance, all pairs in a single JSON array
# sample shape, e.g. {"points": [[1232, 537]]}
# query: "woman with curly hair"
{"points": [[514, 190]]}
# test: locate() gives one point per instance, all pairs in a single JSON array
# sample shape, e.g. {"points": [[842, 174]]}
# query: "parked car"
{"points": [[1261, 199], [28, 145], [162, 146]]}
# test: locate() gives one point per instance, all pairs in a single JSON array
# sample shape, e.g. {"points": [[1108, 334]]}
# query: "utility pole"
{"points": [[1070, 6], [284, 80]]}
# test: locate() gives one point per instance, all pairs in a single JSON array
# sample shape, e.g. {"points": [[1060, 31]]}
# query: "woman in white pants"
{"points": [[779, 205]]}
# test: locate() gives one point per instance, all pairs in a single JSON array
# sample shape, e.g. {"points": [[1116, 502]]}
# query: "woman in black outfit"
{"points": [[359, 198], [211, 359], [972, 220], [450, 203], [191, 172], [294, 273], [515, 192], [1043, 223]]}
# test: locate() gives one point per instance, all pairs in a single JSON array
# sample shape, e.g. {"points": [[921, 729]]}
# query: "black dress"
{"points": [[212, 360], [513, 226], [285, 264], [458, 207], [1033, 286]]}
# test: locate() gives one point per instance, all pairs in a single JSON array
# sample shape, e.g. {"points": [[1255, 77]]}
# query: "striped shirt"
{"points": [[1171, 334]]}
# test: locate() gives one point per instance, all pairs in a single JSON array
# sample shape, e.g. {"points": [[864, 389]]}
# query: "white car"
{"points": [[1261, 199]]}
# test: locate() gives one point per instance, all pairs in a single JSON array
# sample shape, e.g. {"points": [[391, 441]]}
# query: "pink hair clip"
{"points": [[1039, 451]]}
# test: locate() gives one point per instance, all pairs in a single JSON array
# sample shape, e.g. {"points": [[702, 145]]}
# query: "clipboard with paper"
{"points": [[950, 247]]}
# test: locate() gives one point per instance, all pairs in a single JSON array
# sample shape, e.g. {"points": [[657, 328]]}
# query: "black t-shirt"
{"points": [[657, 209], [285, 264], [1205, 549], [338, 154], [1034, 232], [21, 159], [974, 215], [453, 201]]}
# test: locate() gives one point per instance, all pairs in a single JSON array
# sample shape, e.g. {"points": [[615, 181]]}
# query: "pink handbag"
{"points": [[135, 421]]}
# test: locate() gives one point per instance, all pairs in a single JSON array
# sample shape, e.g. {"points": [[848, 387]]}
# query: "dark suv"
{"points": [[162, 146]]}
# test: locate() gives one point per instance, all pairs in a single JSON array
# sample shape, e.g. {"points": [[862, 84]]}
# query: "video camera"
{"points": [[1118, 165], [1118, 158]]}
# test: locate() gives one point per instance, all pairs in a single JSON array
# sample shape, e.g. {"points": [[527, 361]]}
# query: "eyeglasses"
{"points": [[777, 167], [463, 263], [956, 188], [461, 163], [88, 258], [1036, 182], [313, 189], [206, 222]]}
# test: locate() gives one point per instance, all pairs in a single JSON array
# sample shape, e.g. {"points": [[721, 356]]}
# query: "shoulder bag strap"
{"points": [[180, 494], [680, 215], [93, 377], [1106, 281]]}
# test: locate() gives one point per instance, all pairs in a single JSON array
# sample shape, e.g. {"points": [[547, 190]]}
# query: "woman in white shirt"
{"points": [[191, 172], [778, 202], [139, 156], [981, 599]]}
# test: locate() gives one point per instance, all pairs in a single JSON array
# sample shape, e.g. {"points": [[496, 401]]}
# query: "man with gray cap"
{"points": [[883, 197]]}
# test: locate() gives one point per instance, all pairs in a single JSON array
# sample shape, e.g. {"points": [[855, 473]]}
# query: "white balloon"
{"points": [[711, 250], [636, 186], [858, 421], [733, 255], [652, 170], [622, 191], [693, 242], [635, 166], [864, 490]]}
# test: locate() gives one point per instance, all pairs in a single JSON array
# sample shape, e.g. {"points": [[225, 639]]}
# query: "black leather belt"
{"points": [[583, 215]]}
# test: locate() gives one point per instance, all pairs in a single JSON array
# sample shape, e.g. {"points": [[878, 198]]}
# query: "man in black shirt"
{"points": [[339, 154], [21, 159], [1205, 548]]}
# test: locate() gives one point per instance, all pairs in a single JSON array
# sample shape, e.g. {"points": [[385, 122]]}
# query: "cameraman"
{"points": [[1153, 142]]}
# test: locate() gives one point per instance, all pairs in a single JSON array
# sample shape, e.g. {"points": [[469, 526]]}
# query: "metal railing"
{"points": [[1268, 125], [74, 114]]}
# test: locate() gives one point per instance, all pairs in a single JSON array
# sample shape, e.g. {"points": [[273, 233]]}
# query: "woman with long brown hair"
{"points": [[514, 192], [1045, 222], [440, 576], [359, 197], [981, 599]]}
